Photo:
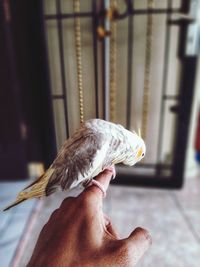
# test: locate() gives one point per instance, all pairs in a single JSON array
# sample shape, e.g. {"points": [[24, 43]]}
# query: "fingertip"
{"points": [[141, 235]]}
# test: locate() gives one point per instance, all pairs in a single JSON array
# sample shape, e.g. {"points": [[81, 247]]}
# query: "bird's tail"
{"points": [[14, 204], [36, 189]]}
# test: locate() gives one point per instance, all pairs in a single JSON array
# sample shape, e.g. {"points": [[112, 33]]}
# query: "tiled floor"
{"points": [[172, 217], [12, 222]]}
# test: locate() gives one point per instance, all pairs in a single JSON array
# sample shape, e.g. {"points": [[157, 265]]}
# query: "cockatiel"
{"points": [[95, 146]]}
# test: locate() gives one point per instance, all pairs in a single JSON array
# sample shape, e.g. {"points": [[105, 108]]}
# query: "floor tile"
{"points": [[188, 201], [193, 218], [13, 221], [189, 196], [174, 243]]}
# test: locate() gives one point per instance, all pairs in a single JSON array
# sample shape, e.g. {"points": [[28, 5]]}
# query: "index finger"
{"points": [[91, 206], [103, 179]]}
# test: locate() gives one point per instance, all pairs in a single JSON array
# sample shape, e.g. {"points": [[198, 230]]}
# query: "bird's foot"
{"points": [[88, 183], [112, 170]]}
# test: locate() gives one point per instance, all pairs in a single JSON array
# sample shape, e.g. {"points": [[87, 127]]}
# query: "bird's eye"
{"points": [[142, 154]]}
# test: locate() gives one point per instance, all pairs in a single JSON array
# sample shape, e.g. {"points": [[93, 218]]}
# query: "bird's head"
{"points": [[137, 148]]}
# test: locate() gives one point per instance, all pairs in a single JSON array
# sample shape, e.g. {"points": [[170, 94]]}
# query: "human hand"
{"points": [[79, 234]]}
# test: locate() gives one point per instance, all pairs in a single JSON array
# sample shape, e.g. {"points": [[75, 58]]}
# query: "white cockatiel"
{"points": [[95, 146]]}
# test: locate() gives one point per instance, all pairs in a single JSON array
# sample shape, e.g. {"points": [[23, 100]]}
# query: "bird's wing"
{"points": [[78, 159], [116, 152]]}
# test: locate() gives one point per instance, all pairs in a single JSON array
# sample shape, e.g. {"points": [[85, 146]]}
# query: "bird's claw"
{"points": [[112, 170]]}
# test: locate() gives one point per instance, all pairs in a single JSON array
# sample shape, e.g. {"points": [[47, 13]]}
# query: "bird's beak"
{"points": [[139, 153]]}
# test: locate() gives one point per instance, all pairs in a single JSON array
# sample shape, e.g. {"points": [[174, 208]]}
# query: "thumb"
{"points": [[138, 243]]}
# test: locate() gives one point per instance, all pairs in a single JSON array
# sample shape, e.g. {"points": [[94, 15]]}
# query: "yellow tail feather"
{"points": [[13, 204], [36, 189]]}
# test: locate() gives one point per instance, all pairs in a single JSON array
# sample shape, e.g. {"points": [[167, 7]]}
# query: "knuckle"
{"points": [[45, 228], [66, 201], [54, 214], [85, 200]]}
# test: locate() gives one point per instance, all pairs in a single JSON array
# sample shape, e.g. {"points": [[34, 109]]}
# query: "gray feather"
{"points": [[75, 157]]}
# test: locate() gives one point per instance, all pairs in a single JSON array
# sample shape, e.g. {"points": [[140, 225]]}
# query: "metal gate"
{"points": [[132, 62]]}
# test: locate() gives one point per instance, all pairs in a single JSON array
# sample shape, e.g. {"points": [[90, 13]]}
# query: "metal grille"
{"points": [[170, 88]]}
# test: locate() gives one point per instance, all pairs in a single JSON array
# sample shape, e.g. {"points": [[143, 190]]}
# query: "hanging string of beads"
{"points": [[113, 59], [76, 5], [147, 69]]}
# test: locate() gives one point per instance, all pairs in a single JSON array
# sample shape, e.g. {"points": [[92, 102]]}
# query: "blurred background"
{"points": [[133, 62]]}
